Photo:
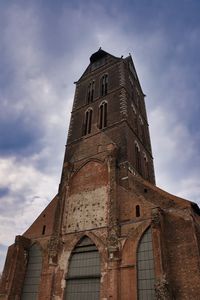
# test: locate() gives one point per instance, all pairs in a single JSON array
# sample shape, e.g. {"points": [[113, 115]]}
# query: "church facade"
{"points": [[110, 232]]}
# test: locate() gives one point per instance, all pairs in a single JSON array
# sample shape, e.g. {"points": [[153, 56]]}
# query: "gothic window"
{"points": [[83, 279], [137, 211], [104, 85], [88, 121], [137, 158], [33, 273], [103, 115], [90, 94], [145, 267]]}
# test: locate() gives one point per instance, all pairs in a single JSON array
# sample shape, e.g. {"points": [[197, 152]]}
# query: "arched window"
{"points": [[104, 85], [145, 267], [137, 158], [83, 279], [137, 211], [33, 273], [88, 121], [90, 94], [103, 115]]}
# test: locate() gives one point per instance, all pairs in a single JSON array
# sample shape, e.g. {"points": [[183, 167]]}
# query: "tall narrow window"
{"points": [[145, 267], [83, 279], [90, 94], [137, 158], [104, 85], [137, 211], [33, 273], [103, 115], [43, 229], [88, 121]]}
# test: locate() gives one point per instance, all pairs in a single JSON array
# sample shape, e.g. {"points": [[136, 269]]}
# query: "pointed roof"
{"points": [[98, 55]]}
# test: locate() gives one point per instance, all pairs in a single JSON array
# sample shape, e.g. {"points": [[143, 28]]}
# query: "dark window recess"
{"points": [[103, 115], [43, 229], [145, 267], [88, 122], [137, 211], [104, 85], [83, 278]]}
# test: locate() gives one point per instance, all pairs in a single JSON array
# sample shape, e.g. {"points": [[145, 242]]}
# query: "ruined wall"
{"points": [[86, 203]]}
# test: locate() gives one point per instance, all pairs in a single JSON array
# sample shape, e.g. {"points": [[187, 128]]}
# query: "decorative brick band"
{"points": [[123, 103]]}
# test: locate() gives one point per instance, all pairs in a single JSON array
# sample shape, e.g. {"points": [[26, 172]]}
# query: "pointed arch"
{"points": [[103, 114], [33, 273], [104, 85], [145, 267], [88, 121], [83, 278], [90, 92]]}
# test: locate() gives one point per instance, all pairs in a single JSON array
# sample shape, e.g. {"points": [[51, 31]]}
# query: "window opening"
{"points": [[88, 121], [104, 85], [137, 211], [145, 267], [103, 115], [32, 275], [90, 95], [83, 279], [43, 229]]}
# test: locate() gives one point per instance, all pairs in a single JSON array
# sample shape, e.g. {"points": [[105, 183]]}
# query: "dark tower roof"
{"points": [[98, 55]]}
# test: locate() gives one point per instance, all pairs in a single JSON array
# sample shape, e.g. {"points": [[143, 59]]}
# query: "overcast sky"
{"points": [[45, 46]]}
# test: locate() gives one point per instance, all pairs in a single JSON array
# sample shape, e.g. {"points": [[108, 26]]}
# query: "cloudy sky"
{"points": [[45, 46]]}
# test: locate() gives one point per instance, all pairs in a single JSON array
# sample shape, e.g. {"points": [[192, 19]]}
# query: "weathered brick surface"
{"points": [[99, 191], [46, 218]]}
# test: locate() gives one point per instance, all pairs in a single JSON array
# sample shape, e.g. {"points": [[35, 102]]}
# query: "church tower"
{"points": [[109, 233]]}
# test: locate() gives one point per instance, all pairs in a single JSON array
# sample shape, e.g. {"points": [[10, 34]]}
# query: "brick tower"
{"points": [[109, 233]]}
